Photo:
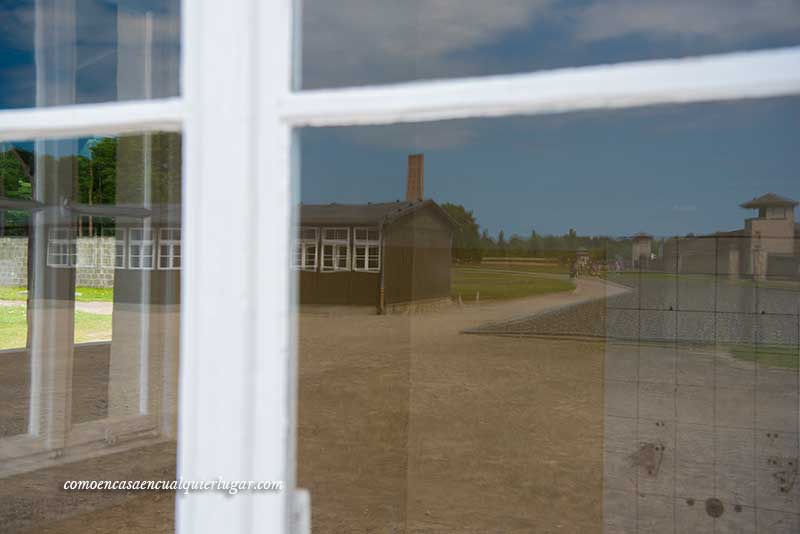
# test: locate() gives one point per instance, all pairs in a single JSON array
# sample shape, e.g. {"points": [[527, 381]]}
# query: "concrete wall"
{"points": [[95, 255]]}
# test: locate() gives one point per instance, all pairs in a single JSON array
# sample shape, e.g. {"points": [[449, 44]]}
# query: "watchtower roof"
{"points": [[770, 200]]}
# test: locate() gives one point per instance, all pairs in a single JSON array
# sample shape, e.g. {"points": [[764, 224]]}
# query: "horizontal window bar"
{"points": [[115, 210], [20, 204], [718, 77], [92, 119]]}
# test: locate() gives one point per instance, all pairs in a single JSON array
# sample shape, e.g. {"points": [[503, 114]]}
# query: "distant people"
{"points": [[573, 270]]}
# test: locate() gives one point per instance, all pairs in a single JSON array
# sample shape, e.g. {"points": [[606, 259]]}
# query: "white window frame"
{"points": [[336, 245], [141, 242], [171, 243], [251, 435], [118, 261], [61, 237], [368, 245], [301, 246]]}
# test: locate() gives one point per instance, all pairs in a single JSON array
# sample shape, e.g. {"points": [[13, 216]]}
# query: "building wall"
{"points": [[769, 237], [348, 287], [418, 252], [641, 250], [95, 257], [694, 255], [777, 235], [416, 259], [641, 247], [342, 287]]}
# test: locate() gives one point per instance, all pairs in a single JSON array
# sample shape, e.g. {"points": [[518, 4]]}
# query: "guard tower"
{"points": [[771, 237]]}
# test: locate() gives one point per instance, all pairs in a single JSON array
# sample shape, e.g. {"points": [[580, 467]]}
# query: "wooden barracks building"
{"points": [[376, 254]]}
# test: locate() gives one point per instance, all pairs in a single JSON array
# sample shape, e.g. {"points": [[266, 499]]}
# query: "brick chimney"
{"points": [[415, 186]]}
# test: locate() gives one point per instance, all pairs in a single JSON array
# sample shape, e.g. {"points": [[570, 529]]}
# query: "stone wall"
{"points": [[13, 261], [95, 261]]}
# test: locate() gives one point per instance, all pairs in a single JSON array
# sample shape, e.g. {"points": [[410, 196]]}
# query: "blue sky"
{"points": [[96, 45], [668, 170], [665, 170]]}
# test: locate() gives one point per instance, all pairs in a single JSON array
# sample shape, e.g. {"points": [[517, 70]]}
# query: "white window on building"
{"points": [[113, 258], [306, 249], [335, 249], [140, 248], [169, 248], [62, 249], [366, 249]]}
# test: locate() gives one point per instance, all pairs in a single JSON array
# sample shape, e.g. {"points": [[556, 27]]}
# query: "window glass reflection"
{"points": [[59, 53], [90, 245], [584, 322], [358, 42]]}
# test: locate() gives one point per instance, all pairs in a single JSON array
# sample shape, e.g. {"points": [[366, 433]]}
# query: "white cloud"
{"points": [[359, 41], [351, 42], [721, 20], [104, 37]]}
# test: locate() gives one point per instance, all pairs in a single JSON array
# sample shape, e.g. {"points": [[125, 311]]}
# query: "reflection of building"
{"points": [[151, 241], [375, 254], [642, 250], [765, 247]]}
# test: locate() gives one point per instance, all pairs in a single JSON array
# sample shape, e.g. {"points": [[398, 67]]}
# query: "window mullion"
{"points": [[234, 409], [761, 74]]}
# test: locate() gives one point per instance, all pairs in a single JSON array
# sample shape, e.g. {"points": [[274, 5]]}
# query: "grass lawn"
{"points": [[13, 327], [528, 268], [467, 283], [785, 356], [82, 294], [92, 327], [632, 276]]}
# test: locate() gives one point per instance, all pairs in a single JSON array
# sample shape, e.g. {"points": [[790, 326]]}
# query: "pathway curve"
{"points": [[492, 311]]}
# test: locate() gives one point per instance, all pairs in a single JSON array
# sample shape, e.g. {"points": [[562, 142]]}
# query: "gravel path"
{"points": [[101, 308]]}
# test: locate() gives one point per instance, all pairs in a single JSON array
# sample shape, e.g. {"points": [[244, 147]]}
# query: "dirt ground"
{"points": [[35, 502], [417, 427], [405, 425]]}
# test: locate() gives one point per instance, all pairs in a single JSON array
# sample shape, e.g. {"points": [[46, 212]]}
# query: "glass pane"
{"points": [[88, 343], [588, 324], [58, 53], [350, 42], [15, 376]]}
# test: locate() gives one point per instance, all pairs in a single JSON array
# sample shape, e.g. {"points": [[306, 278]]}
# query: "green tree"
{"points": [[572, 239], [534, 244], [15, 175], [502, 246], [517, 246], [15, 183], [97, 174], [467, 246], [487, 243]]}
